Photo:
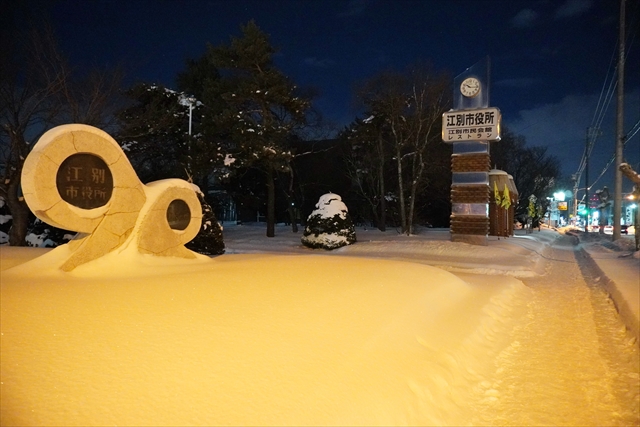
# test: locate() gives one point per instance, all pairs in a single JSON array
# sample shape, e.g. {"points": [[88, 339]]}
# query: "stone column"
{"points": [[470, 195]]}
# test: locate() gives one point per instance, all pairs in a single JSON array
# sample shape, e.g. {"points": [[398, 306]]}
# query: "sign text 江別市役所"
{"points": [[471, 125]]}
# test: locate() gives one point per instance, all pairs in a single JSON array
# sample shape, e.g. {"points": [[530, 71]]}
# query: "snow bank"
{"points": [[617, 267], [519, 256], [249, 340], [273, 333]]}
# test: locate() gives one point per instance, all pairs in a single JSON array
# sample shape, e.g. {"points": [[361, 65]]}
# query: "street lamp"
{"points": [[191, 100]]}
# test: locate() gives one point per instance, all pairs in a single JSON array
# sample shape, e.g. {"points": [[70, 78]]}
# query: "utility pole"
{"points": [[587, 153], [574, 211], [617, 198], [592, 134]]}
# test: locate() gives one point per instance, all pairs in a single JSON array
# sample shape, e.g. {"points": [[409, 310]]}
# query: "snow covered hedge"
{"points": [[208, 241], [43, 235], [329, 226], [39, 234], [5, 221]]}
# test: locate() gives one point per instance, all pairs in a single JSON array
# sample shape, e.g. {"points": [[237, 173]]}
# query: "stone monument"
{"points": [[78, 178]]}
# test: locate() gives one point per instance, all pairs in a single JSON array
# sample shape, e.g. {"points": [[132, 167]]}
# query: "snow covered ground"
{"points": [[392, 330]]}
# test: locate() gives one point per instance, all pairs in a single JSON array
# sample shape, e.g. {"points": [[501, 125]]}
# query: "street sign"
{"points": [[562, 206], [481, 124]]}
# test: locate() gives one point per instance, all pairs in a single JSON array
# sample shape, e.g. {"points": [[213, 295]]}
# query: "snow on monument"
{"points": [[78, 178]]}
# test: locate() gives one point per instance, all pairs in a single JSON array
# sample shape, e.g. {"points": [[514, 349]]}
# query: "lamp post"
{"points": [[190, 100]]}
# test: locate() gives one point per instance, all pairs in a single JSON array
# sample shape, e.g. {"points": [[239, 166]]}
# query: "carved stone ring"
{"points": [[78, 178]]}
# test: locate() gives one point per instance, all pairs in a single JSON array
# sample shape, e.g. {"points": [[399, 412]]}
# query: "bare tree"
{"points": [[366, 161], [38, 92], [411, 105], [94, 98], [32, 75], [386, 97], [428, 100]]}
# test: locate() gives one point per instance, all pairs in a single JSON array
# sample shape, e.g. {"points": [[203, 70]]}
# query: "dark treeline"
{"points": [[250, 138]]}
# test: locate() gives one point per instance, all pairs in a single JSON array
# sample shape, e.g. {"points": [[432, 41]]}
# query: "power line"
{"points": [[634, 130], [601, 108]]}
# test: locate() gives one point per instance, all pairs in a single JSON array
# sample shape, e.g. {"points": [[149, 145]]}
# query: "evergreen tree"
{"points": [[253, 108], [199, 74], [155, 135]]}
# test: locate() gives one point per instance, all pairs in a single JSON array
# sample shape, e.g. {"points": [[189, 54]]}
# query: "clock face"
{"points": [[470, 87]]}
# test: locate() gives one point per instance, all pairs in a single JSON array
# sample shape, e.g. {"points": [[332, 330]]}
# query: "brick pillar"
{"points": [[469, 200]]}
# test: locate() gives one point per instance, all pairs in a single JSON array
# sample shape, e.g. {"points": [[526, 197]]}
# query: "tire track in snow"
{"points": [[570, 361]]}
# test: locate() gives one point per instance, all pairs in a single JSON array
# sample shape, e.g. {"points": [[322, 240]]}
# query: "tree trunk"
{"points": [[403, 212], [290, 204], [271, 203], [381, 220], [376, 215], [412, 205], [417, 169], [19, 214]]}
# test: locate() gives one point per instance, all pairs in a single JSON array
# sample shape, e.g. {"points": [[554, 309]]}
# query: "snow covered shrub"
{"points": [[39, 234], [5, 221], [329, 226], [42, 235], [209, 239]]}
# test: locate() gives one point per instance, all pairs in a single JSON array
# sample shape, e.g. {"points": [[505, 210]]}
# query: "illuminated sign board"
{"points": [[471, 125]]}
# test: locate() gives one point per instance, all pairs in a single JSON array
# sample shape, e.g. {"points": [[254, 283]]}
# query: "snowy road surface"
{"points": [[570, 362], [516, 333]]}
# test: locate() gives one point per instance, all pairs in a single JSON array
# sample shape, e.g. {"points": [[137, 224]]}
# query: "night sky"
{"points": [[550, 60]]}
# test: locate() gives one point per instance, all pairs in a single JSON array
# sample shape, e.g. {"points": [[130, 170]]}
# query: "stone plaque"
{"points": [[178, 214], [84, 180]]}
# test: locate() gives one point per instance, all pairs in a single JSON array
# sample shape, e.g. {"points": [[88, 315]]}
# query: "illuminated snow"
{"points": [[330, 205], [229, 160], [275, 334]]}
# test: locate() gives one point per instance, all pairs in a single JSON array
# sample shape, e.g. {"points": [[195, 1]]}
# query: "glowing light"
{"points": [[559, 196]]}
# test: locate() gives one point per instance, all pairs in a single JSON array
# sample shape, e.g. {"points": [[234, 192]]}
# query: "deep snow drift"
{"points": [[274, 333]]}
